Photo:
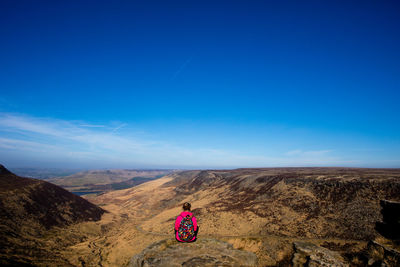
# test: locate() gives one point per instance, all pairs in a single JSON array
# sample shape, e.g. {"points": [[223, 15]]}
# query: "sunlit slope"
{"points": [[294, 202], [29, 209], [102, 177]]}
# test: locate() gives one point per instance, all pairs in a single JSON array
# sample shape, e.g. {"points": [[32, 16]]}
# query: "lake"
{"points": [[81, 193]]}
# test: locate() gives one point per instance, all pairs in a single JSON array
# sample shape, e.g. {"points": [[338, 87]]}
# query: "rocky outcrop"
{"points": [[381, 255], [204, 252], [386, 254], [308, 254], [390, 226]]}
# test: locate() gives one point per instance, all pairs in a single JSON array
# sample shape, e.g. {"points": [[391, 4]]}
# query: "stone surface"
{"points": [[203, 252], [381, 255], [390, 227], [308, 254]]}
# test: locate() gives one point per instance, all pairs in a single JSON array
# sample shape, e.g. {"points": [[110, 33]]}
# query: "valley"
{"points": [[273, 213], [259, 210]]}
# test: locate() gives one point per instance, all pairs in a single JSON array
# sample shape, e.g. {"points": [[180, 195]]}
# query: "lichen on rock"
{"points": [[203, 252], [308, 254]]}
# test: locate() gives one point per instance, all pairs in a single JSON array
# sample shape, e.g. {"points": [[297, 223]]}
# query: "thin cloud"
{"points": [[73, 141], [28, 124], [92, 125], [15, 144]]}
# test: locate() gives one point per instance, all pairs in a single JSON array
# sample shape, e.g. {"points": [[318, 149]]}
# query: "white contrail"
{"points": [[119, 127], [183, 66]]}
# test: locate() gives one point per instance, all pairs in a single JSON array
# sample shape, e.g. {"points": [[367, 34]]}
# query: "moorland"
{"points": [[271, 212]]}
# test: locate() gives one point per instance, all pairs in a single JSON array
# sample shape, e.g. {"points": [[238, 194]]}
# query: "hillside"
{"points": [[104, 180], [281, 215], [260, 210], [310, 203], [29, 209]]}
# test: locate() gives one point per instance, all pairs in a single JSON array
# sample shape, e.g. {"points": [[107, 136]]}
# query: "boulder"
{"points": [[309, 254], [381, 255], [203, 252]]}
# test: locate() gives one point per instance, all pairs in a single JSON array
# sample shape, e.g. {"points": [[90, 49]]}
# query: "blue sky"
{"points": [[199, 84]]}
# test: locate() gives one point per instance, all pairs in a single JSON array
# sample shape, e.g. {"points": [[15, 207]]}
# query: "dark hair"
{"points": [[186, 206]]}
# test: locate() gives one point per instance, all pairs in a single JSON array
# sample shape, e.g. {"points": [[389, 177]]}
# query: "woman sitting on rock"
{"points": [[186, 227]]}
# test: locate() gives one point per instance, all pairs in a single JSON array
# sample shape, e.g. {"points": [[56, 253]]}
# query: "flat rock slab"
{"points": [[203, 252], [308, 254]]}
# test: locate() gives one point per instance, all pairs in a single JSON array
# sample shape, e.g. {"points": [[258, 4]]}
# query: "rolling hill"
{"points": [[281, 215], [105, 180], [264, 211], [29, 210]]}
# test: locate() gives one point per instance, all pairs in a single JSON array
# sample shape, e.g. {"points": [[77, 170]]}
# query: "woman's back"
{"points": [[186, 227]]}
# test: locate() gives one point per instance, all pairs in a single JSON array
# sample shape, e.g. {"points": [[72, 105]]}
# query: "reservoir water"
{"points": [[81, 193]]}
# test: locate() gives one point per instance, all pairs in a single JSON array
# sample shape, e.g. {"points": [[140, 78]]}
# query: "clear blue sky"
{"points": [[199, 84]]}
